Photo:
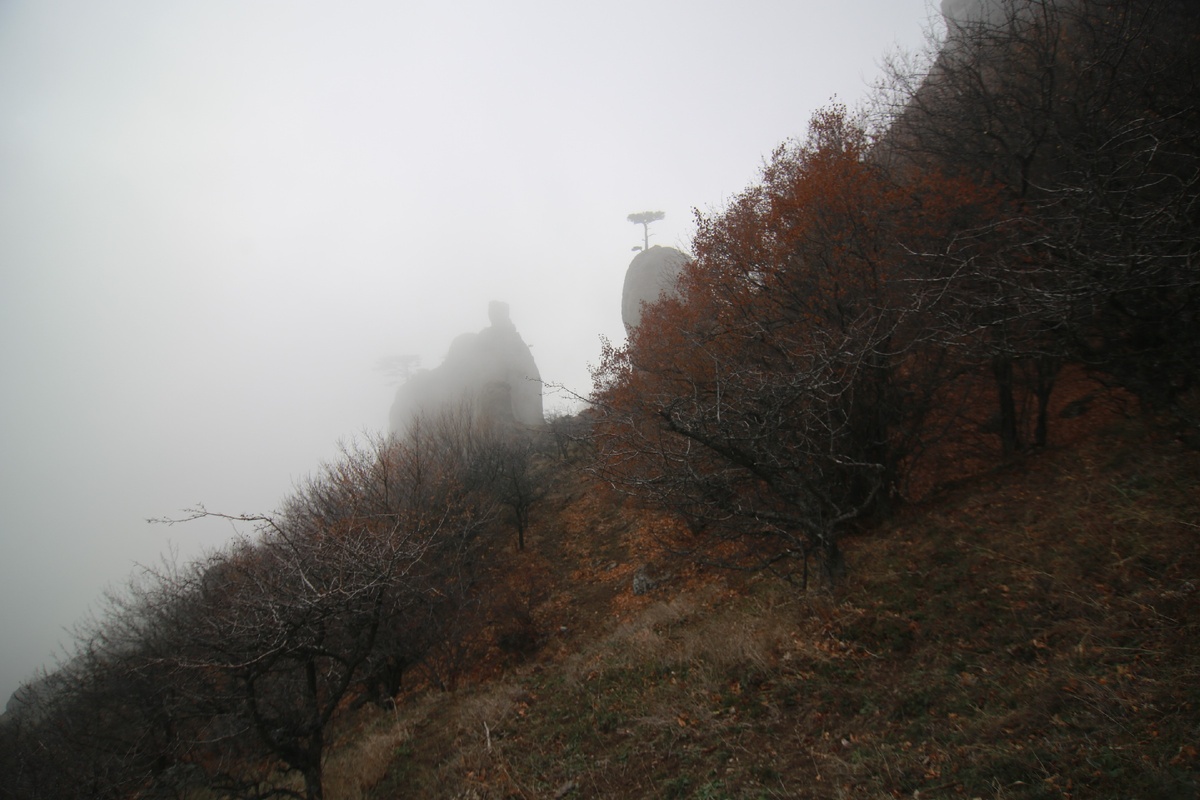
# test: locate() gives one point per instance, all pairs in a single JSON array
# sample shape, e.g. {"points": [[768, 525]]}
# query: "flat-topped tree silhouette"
{"points": [[644, 218]]}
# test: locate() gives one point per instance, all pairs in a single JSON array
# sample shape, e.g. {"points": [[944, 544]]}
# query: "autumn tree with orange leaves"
{"points": [[782, 394]]}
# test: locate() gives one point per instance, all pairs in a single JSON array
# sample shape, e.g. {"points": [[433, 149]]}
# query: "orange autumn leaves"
{"points": [[774, 399]]}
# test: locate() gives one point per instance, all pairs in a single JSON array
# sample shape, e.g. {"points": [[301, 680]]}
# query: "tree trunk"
{"points": [[316, 743], [1047, 372], [1010, 439]]}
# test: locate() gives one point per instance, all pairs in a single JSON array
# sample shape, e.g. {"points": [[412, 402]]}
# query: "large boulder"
{"points": [[492, 370], [30, 700], [969, 13], [651, 274]]}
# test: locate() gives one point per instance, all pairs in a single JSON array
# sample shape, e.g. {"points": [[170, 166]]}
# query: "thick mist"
{"points": [[216, 218]]}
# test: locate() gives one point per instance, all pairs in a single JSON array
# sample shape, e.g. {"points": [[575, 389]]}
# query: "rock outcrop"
{"points": [[493, 370], [30, 699], [652, 273], [970, 13]]}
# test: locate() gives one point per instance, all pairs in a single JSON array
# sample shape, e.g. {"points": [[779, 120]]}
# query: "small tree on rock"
{"points": [[644, 218]]}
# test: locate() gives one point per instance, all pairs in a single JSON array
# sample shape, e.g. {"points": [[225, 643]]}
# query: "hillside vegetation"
{"points": [[1032, 633], [892, 494]]}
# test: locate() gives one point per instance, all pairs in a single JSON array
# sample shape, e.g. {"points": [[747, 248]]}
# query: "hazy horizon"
{"points": [[216, 218]]}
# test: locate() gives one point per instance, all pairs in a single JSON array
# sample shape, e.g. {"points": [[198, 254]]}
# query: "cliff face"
{"points": [[493, 370]]}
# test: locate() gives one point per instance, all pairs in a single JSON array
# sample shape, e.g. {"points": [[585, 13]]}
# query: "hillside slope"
{"points": [[1032, 634]]}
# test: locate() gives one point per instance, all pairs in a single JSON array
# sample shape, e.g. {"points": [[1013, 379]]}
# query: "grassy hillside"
{"points": [[1030, 634]]}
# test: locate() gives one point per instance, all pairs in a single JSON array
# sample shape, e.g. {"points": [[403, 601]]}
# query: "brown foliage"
{"points": [[776, 398]]}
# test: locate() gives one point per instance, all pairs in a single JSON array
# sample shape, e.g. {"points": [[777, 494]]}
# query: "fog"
{"points": [[216, 217]]}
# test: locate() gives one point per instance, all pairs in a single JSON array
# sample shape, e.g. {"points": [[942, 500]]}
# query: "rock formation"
{"points": [[493, 370], [652, 273], [969, 13], [30, 699]]}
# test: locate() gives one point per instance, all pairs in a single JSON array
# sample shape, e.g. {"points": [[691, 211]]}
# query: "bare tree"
{"points": [[569, 435], [1082, 115], [265, 641], [398, 368], [106, 722], [275, 633], [226, 673]]}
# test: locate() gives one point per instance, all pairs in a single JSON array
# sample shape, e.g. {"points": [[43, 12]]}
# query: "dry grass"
{"points": [[353, 772], [1033, 635]]}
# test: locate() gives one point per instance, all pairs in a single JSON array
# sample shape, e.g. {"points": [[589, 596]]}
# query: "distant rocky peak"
{"points": [[492, 370], [498, 314]]}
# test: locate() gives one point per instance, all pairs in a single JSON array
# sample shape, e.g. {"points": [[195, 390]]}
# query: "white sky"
{"points": [[216, 216]]}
